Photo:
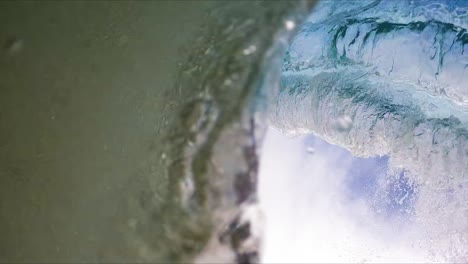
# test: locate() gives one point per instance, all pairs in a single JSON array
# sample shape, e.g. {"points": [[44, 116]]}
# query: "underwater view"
{"points": [[305, 131]]}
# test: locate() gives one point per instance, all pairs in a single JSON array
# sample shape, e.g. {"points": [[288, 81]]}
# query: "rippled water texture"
{"points": [[390, 78]]}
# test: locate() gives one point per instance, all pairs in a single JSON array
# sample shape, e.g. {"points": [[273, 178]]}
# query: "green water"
{"points": [[96, 102], [82, 105]]}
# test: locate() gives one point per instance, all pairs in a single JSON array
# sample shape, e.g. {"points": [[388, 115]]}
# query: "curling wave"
{"points": [[390, 78]]}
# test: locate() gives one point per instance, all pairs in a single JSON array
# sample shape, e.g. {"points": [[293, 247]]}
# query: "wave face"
{"points": [[390, 78]]}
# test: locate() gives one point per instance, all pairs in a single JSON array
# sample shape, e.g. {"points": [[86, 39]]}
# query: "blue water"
{"points": [[387, 81]]}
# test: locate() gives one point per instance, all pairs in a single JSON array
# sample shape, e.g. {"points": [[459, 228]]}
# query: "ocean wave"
{"points": [[388, 78]]}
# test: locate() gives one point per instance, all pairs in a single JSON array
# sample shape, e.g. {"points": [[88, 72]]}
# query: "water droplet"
{"points": [[310, 150], [289, 24]]}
